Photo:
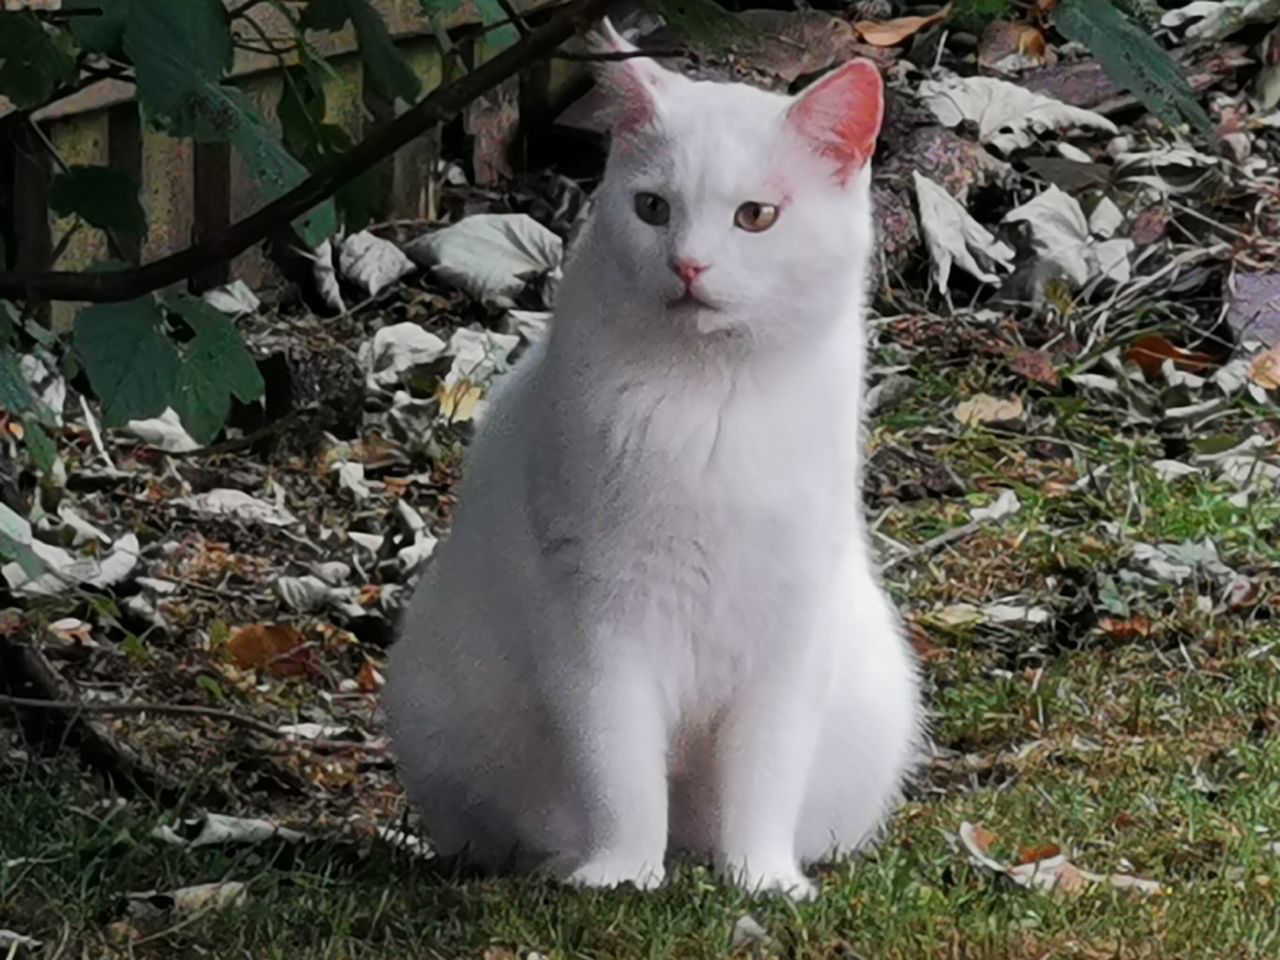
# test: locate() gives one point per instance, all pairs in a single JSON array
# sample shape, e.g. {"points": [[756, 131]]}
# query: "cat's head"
{"points": [[729, 208]]}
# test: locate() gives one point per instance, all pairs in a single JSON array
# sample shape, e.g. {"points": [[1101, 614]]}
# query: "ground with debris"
{"points": [[1072, 478]]}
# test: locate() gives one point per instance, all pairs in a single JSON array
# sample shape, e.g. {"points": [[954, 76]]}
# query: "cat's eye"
{"points": [[756, 217], [651, 208]]}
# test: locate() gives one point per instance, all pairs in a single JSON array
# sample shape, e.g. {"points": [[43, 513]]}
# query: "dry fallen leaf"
{"points": [[1134, 628], [1150, 353], [983, 838], [370, 678], [187, 902], [1052, 872], [890, 33], [925, 648], [1011, 44], [277, 649], [984, 408], [1265, 369], [1034, 365], [1042, 852], [458, 403]]}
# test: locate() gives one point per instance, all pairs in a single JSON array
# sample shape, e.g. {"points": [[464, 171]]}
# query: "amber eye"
{"points": [[651, 208], [756, 217]]}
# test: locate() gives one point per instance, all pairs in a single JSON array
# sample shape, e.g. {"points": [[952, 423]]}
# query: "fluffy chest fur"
{"points": [[711, 503]]}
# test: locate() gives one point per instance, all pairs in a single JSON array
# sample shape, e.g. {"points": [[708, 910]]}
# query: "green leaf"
{"points": [[16, 395], [1133, 60], [34, 60], [302, 109], [188, 42], [216, 365], [491, 13], [15, 540], [390, 72], [130, 363], [102, 29], [441, 8], [105, 198], [277, 172], [180, 52]]}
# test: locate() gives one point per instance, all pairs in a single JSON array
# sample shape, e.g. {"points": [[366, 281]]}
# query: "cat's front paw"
{"points": [[784, 881], [607, 872]]}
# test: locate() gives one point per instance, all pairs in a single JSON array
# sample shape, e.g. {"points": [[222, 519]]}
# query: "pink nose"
{"points": [[687, 270]]}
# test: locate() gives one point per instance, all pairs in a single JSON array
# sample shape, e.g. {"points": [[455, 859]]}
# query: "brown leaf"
{"points": [[370, 678], [1002, 40], [1150, 353], [1132, 629], [1265, 369], [925, 648], [984, 838], [1034, 365], [274, 648], [1149, 226], [984, 408], [1042, 852], [890, 33]]}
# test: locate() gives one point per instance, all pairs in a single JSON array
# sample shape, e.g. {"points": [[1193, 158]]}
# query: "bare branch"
{"points": [[614, 55], [92, 707]]}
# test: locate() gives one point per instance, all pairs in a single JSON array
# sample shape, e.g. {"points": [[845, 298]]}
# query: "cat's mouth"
{"points": [[690, 301]]}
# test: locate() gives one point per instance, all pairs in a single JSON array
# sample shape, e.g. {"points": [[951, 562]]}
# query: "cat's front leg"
{"points": [[616, 740], [764, 753]]}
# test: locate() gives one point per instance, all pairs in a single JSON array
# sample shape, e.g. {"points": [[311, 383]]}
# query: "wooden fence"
{"points": [[189, 190]]}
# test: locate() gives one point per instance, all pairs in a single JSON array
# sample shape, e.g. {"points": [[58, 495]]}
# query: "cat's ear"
{"points": [[840, 116], [633, 85]]}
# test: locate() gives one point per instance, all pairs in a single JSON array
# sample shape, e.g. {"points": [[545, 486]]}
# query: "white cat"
{"points": [[655, 624]]}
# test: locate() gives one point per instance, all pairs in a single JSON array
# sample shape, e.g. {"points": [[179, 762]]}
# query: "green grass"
{"points": [[1126, 761], [1156, 755]]}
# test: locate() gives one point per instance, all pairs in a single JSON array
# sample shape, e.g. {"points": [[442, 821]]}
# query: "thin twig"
{"points": [[514, 16], [610, 56], [184, 710], [163, 709]]}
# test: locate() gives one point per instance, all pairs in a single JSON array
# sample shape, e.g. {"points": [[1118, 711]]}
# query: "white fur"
{"points": [[656, 625]]}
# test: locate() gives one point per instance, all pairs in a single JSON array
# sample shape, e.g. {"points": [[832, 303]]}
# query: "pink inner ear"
{"points": [[631, 99], [840, 115], [631, 85]]}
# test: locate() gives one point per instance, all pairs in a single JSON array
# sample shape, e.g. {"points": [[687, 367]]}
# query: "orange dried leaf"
{"points": [[984, 838], [890, 33], [1150, 353], [277, 649], [1035, 854], [370, 678], [1002, 39], [925, 649], [1132, 629]]}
